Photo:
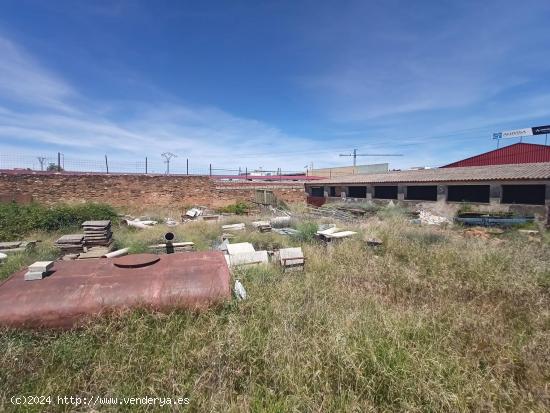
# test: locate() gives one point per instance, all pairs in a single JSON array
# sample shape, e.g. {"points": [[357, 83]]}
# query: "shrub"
{"points": [[17, 220], [240, 208], [306, 231]]}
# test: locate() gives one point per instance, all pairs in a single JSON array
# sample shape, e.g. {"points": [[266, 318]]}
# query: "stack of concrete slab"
{"points": [[97, 233], [38, 270], [71, 243]]}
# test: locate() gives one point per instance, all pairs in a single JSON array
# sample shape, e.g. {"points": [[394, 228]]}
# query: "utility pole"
{"points": [[355, 155], [41, 159], [168, 156]]}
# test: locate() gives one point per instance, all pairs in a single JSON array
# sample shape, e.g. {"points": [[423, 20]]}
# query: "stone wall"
{"points": [[143, 191]]}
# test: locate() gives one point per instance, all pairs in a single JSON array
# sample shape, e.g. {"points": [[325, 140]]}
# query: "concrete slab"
{"points": [[249, 258], [239, 248]]}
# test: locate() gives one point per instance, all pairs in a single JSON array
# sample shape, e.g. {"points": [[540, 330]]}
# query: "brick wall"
{"points": [[136, 190]]}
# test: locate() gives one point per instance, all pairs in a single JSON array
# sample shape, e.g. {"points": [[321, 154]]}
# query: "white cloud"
{"points": [[22, 79]]}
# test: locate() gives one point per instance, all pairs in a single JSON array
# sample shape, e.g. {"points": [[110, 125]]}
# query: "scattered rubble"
{"points": [[239, 291], [13, 247], [285, 231], [137, 223], [233, 227], [528, 231], [426, 217], [332, 233], [171, 222], [262, 226], [194, 213], [280, 221], [373, 242]]}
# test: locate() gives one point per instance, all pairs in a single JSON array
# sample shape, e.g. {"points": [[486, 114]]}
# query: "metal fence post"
{"points": [[58, 161], [106, 164], [145, 165], [187, 166], [210, 169]]}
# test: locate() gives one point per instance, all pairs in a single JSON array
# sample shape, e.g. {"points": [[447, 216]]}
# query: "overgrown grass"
{"points": [[17, 220], [432, 321]]}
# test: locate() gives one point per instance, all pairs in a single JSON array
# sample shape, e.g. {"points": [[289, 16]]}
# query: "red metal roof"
{"points": [[512, 154]]}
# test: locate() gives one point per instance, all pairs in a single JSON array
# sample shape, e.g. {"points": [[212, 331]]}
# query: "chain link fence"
{"points": [[177, 166]]}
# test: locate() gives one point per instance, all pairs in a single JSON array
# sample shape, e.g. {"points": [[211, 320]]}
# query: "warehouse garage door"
{"points": [[468, 193], [357, 191], [422, 193], [385, 192], [317, 191], [523, 194]]}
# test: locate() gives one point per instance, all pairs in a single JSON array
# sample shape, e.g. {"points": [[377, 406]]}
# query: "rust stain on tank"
{"points": [[78, 289]]}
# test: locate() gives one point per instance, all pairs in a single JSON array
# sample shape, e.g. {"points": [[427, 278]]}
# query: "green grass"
{"points": [[431, 321], [17, 220]]}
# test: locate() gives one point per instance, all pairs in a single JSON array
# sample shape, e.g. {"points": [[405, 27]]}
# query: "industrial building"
{"points": [[521, 184], [513, 154], [349, 170]]}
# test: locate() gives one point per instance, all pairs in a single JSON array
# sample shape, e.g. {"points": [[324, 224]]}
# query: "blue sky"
{"points": [[271, 84]]}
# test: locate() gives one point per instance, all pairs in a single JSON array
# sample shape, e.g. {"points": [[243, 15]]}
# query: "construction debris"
{"points": [[243, 253], [240, 248], [233, 227], [210, 217], [117, 253], [262, 226], [239, 291], [13, 247], [176, 247], [137, 223], [71, 243], [170, 222], [333, 233], [194, 213], [291, 258], [374, 242], [431, 219], [248, 258], [528, 231], [285, 231], [38, 270], [280, 221], [97, 233]]}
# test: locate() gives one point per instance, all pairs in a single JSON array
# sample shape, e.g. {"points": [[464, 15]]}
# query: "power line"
{"points": [[168, 156]]}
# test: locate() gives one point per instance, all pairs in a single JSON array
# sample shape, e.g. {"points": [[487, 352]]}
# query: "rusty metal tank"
{"points": [[75, 290]]}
